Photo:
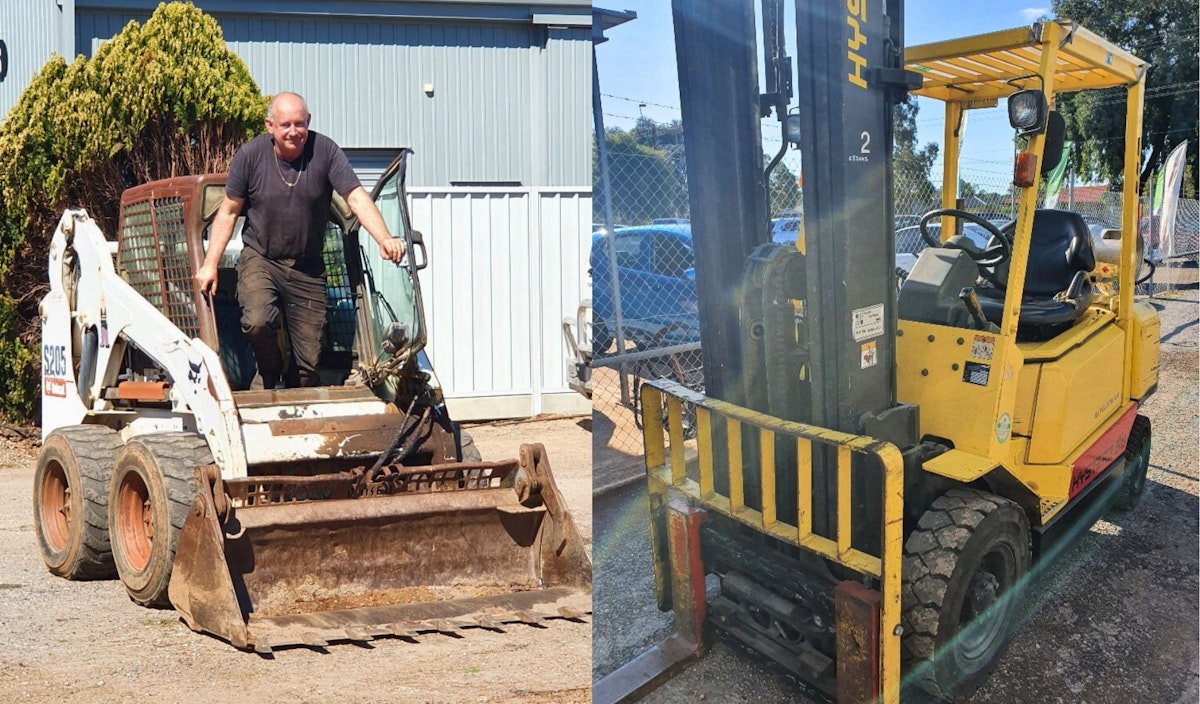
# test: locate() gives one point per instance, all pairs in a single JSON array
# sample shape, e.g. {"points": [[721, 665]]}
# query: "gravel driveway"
{"points": [[1115, 619], [86, 642]]}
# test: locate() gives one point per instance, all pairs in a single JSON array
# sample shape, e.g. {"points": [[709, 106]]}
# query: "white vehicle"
{"points": [[268, 517], [785, 230]]}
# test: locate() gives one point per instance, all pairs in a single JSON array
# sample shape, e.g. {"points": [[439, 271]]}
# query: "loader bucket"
{"points": [[266, 562]]}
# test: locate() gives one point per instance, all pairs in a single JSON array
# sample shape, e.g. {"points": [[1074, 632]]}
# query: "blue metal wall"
{"points": [[509, 105]]}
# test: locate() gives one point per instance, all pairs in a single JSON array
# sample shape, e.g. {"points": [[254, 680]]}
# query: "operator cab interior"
{"points": [[958, 284], [337, 349]]}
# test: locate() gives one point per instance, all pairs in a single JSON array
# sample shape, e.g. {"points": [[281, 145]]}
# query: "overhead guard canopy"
{"points": [[980, 67]]}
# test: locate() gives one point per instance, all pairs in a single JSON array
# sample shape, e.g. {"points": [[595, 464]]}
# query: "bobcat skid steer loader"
{"points": [[277, 517]]}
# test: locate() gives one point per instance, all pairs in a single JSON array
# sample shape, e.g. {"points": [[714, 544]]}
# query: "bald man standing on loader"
{"points": [[283, 182]]}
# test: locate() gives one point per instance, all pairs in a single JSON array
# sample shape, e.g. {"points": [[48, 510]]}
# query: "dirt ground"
{"points": [[87, 642], [1113, 619]]}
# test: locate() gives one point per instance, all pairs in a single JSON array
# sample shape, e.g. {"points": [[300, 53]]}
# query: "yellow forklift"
{"points": [[875, 474]]}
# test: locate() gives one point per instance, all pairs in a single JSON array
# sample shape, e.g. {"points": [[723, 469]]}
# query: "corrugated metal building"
{"points": [[494, 96]]}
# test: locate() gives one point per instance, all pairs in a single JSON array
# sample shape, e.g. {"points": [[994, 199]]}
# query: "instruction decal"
{"points": [[870, 355], [983, 347], [976, 373], [867, 323]]}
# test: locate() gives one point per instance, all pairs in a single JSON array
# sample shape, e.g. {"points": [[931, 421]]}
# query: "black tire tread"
{"points": [[1127, 497], [95, 447], [470, 453], [930, 555], [177, 455]]}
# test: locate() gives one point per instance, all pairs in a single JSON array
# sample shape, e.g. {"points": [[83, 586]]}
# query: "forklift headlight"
{"points": [[1027, 111], [793, 130]]}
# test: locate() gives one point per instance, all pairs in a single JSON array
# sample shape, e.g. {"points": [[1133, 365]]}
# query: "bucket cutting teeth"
{"points": [[411, 630], [312, 560]]}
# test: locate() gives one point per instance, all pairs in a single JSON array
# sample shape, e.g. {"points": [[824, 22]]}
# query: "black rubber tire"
{"points": [[470, 453], [152, 489], [70, 501], [968, 541], [1137, 458], [601, 338]]}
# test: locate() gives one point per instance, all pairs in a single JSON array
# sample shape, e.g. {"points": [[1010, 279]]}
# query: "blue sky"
{"points": [[637, 65]]}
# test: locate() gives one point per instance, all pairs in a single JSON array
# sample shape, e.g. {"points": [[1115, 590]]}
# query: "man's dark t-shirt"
{"points": [[285, 222]]}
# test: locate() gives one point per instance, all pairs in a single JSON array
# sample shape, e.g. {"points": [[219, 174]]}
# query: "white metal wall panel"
{"points": [[477, 298], [505, 268], [564, 224], [29, 31]]}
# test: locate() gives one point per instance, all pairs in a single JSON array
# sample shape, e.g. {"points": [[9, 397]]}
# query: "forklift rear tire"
{"points": [[70, 501], [153, 487], [1137, 458], [963, 567]]}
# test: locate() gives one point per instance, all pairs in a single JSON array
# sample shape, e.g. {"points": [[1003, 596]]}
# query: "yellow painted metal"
{"points": [[960, 466], [931, 371], [992, 42], [652, 430], [766, 448], [704, 440], [886, 566], [1129, 218], [1093, 51], [1052, 482], [952, 141], [1022, 417], [675, 427], [1145, 332], [980, 67], [1028, 195], [803, 481], [737, 492], [1076, 392], [845, 508]]}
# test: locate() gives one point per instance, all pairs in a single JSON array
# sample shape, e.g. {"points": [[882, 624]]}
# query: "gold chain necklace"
{"points": [[280, 171]]}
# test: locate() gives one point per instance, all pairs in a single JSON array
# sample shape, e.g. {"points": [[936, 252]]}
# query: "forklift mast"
{"points": [[849, 78]]}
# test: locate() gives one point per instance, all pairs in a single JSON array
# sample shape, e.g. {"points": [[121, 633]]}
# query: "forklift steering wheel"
{"points": [[998, 253]]}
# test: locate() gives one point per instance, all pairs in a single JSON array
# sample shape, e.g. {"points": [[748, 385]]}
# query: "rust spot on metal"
{"points": [[858, 663]]}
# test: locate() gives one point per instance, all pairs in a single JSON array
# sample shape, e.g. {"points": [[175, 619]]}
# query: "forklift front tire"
{"points": [[963, 567]]}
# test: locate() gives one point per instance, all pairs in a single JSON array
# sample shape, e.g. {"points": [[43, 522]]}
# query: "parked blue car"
{"points": [[656, 282]]}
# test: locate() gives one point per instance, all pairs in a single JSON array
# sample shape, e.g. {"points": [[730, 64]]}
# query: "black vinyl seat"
{"points": [[1057, 290]]}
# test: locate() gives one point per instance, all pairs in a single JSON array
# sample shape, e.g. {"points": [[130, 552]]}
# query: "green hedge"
{"points": [[158, 100]]}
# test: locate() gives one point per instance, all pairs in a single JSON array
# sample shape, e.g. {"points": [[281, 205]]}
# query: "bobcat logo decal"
{"points": [[194, 371]]}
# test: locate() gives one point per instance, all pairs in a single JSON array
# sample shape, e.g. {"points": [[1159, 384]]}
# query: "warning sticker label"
{"points": [[870, 355], [983, 347], [867, 323]]}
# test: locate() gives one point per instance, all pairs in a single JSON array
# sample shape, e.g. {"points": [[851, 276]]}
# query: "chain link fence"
{"points": [[645, 319]]}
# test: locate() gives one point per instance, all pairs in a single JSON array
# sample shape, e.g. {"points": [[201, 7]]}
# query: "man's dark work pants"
{"points": [[267, 289]]}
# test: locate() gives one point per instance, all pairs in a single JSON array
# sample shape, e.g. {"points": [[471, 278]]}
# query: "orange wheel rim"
{"points": [[56, 507], [135, 521]]}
